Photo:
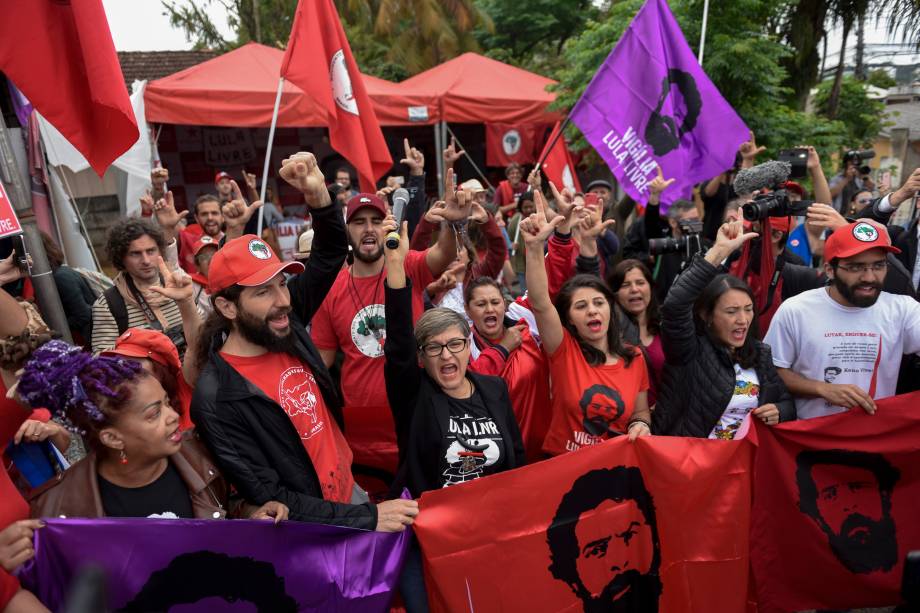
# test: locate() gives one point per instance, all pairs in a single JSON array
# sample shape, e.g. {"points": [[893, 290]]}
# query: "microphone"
{"points": [[400, 202], [769, 174]]}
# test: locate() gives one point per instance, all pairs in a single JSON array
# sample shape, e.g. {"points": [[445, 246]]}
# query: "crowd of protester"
{"points": [[212, 379]]}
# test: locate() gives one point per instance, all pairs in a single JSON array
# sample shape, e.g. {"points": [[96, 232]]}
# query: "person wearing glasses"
{"points": [[851, 328], [452, 425]]}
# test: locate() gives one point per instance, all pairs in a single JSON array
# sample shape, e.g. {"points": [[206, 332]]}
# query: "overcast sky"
{"points": [[140, 25]]}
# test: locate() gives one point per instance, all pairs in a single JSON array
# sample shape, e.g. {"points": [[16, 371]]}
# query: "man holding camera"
{"points": [[853, 177]]}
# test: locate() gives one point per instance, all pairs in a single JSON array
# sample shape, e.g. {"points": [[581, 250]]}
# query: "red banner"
{"points": [[9, 223], [656, 525], [557, 163], [507, 143], [835, 508]]}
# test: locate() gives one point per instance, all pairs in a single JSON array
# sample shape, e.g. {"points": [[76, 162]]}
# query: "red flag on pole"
{"points": [[557, 162], [61, 57], [835, 508], [507, 143], [318, 60], [660, 524]]}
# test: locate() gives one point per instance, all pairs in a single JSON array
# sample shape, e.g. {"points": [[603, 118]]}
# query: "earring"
{"points": [[122, 457]]}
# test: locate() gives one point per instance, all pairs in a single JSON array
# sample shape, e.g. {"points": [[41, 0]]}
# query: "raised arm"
{"points": [[534, 231], [455, 214], [330, 245], [818, 180], [415, 160]]}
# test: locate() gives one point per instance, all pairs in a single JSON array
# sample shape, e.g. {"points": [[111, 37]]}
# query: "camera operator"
{"points": [[853, 177], [671, 241]]}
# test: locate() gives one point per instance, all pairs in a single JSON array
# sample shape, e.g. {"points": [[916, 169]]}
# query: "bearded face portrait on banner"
{"points": [[848, 494], [604, 542]]}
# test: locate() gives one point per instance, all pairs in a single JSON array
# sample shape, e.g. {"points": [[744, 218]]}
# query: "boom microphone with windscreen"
{"points": [[770, 175], [400, 202]]}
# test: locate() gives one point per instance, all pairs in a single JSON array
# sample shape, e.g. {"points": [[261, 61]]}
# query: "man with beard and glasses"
{"points": [[848, 494], [603, 542], [850, 326], [264, 402], [351, 318]]}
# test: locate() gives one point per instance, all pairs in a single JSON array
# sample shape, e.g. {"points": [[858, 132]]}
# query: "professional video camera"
{"points": [[857, 156], [690, 243], [771, 175]]}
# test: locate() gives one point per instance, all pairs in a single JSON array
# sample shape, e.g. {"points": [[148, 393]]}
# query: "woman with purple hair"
{"points": [[140, 464]]}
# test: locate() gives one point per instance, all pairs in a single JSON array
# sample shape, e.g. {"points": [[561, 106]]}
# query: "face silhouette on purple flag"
{"points": [[650, 104]]}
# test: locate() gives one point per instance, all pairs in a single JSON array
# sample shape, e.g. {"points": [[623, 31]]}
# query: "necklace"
{"points": [[372, 328]]}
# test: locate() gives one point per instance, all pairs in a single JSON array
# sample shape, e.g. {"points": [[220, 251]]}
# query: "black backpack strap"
{"points": [[117, 307]]}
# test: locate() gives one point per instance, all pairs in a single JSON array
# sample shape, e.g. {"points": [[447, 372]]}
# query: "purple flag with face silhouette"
{"points": [[650, 104], [218, 565]]}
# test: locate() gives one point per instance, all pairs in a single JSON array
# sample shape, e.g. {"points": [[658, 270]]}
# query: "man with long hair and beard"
{"points": [[850, 327], [264, 403], [603, 542], [848, 494]]}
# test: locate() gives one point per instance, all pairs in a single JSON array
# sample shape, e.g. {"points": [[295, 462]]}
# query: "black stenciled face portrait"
{"points": [[663, 131], [247, 583], [601, 407], [848, 494], [603, 542]]}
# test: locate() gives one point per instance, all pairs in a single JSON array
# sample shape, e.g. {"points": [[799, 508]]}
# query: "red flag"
{"points": [[318, 60], [507, 143], [61, 57], [557, 163], [671, 513], [835, 508]]}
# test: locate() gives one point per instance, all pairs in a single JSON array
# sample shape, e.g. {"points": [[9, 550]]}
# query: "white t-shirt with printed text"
{"points": [[818, 338]]}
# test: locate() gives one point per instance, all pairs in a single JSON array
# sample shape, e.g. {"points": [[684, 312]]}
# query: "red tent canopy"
{"points": [[238, 89], [475, 89]]}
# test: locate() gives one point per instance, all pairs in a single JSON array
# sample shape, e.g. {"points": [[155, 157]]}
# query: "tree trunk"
{"points": [[805, 31], [833, 101], [860, 70]]}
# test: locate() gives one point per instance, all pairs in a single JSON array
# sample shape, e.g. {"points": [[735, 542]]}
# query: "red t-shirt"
{"points": [[290, 383], [590, 403], [352, 318]]}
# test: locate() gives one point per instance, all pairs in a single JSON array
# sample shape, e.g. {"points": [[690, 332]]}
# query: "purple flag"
{"points": [[651, 104], [227, 565]]}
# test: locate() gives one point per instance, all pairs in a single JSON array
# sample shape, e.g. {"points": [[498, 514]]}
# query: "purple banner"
{"points": [[650, 104], [226, 565]]}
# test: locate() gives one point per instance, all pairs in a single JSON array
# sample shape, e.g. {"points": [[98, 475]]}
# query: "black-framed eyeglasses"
{"points": [[454, 345], [861, 268]]}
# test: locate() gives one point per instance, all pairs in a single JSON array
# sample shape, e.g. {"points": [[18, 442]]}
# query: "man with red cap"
{"points": [[204, 250], [352, 320], [265, 403], [224, 184], [840, 346]]}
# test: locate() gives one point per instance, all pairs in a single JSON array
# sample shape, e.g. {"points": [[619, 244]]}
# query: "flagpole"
{"points": [[439, 158], [475, 167], [268, 156], [703, 32], [552, 142]]}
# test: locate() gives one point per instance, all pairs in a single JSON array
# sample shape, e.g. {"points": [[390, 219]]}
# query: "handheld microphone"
{"points": [[400, 202]]}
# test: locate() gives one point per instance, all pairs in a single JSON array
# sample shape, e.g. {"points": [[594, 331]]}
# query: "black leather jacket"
{"points": [[699, 377]]}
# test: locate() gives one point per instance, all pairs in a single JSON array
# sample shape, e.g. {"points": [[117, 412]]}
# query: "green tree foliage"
{"points": [[743, 61], [274, 21], [880, 78], [532, 32], [862, 116]]}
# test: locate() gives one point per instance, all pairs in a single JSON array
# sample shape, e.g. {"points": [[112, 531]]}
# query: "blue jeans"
{"points": [[412, 581]]}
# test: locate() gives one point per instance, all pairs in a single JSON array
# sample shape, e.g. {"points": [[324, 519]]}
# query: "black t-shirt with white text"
{"points": [[473, 446]]}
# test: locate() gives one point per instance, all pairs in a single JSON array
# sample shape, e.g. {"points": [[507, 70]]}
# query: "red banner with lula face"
{"points": [[836, 508], [656, 525]]}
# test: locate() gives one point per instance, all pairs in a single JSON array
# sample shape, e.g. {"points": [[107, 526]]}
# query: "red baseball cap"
{"points": [[204, 241], [220, 176], [147, 343], [780, 223], [792, 186], [854, 238], [364, 201], [246, 261]]}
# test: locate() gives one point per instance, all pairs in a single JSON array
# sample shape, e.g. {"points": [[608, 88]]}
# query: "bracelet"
{"points": [[638, 420]]}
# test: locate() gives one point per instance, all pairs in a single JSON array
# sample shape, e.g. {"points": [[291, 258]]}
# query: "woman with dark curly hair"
{"points": [[140, 463], [599, 384]]}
